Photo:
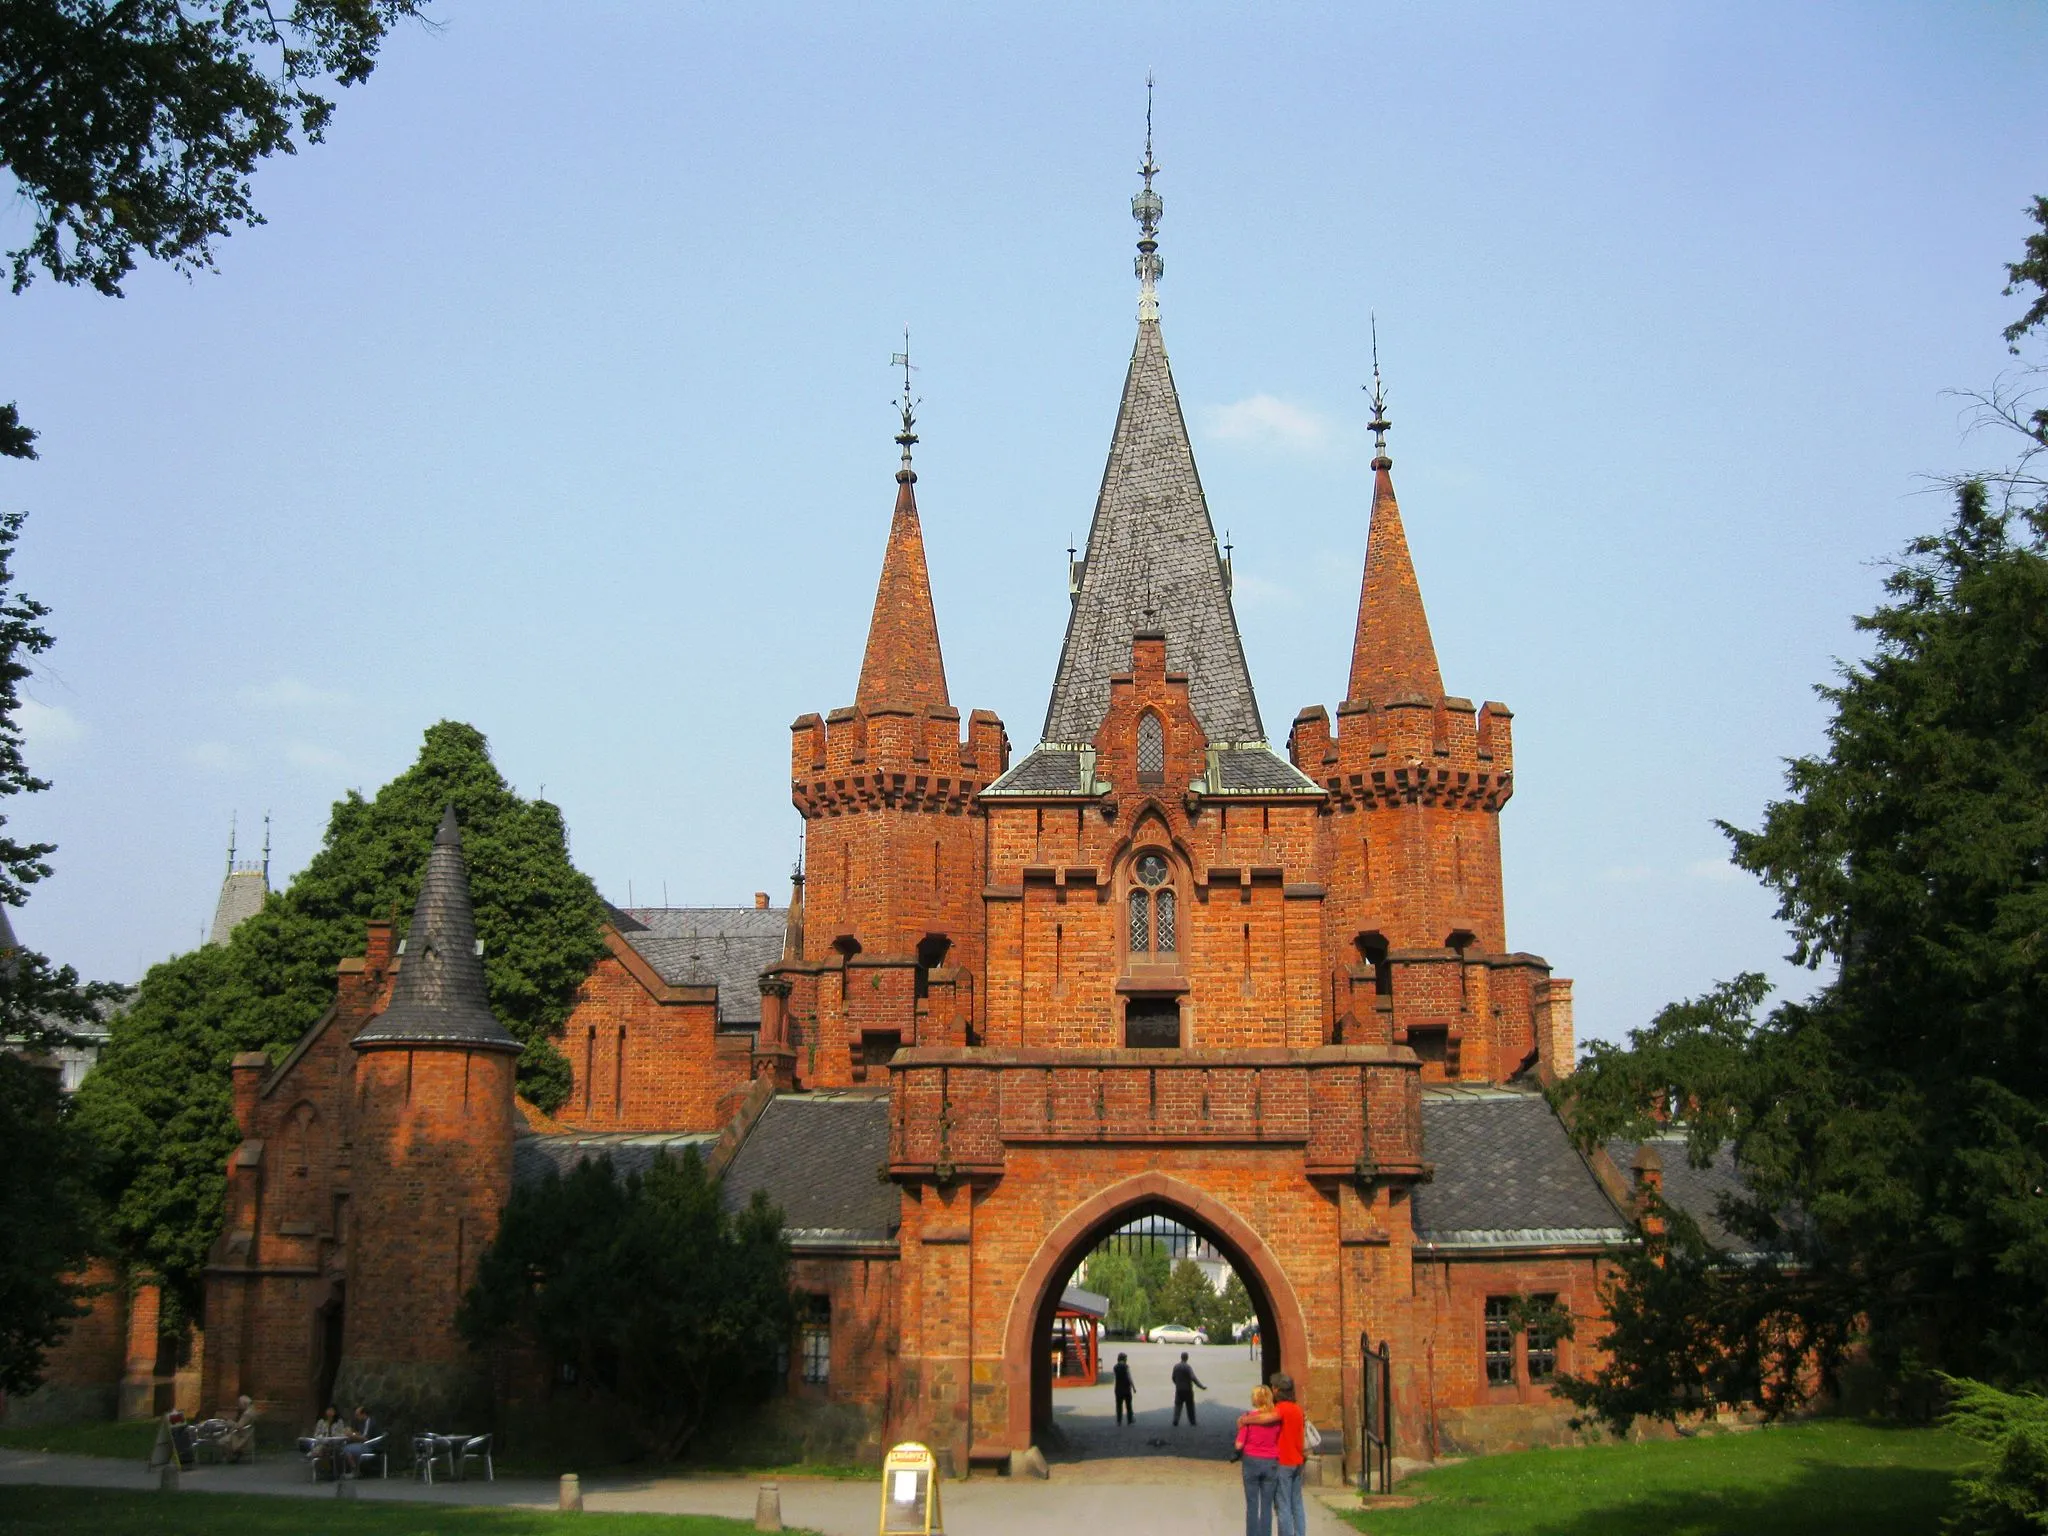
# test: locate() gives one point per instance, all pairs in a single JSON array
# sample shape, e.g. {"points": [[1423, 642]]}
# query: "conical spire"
{"points": [[903, 667], [439, 996], [1152, 562], [1392, 655]]}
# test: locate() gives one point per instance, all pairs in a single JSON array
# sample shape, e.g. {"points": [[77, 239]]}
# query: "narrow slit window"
{"points": [[1141, 920], [1163, 921]]}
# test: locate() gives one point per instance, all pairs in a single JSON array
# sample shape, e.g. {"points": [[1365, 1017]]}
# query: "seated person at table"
{"points": [[360, 1428], [236, 1443], [330, 1426]]}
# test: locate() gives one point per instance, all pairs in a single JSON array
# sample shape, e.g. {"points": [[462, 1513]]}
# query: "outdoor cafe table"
{"points": [[325, 1452], [433, 1444]]}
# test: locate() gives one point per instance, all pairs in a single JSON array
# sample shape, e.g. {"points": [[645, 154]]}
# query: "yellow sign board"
{"points": [[910, 1492]]}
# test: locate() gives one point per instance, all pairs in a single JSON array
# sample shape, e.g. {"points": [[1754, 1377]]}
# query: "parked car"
{"points": [[1178, 1333]]}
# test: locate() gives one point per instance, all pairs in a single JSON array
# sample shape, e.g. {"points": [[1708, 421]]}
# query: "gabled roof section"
{"points": [[1152, 563], [722, 947], [1507, 1176], [439, 996], [820, 1158], [902, 667]]}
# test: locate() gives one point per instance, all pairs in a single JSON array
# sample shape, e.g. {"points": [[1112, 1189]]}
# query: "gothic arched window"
{"points": [[1151, 749], [1154, 922]]}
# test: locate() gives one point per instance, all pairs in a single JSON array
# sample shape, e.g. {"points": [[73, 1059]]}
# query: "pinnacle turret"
{"points": [[439, 996], [902, 667], [1392, 654]]}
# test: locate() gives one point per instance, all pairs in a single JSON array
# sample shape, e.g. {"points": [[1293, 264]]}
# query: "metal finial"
{"points": [[1146, 209], [907, 408], [1379, 422], [232, 818], [266, 850]]}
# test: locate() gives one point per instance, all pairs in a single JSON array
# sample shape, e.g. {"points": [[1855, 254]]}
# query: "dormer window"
{"points": [[1151, 750], [1154, 915]]}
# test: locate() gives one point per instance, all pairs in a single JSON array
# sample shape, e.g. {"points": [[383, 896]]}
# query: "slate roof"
{"points": [[1074, 1299], [1696, 1191], [630, 1152], [1506, 1176], [1152, 563], [819, 1156], [242, 895], [439, 995], [1049, 770], [1259, 770], [1251, 769], [722, 947]]}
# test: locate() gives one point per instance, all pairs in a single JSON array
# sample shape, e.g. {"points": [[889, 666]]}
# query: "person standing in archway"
{"points": [[1125, 1389], [1184, 1383]]}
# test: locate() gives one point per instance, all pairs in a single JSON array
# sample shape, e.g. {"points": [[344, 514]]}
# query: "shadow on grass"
{"points": [[32, 1511]]}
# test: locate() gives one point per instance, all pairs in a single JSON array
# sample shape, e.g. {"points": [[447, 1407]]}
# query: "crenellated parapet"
{"points": [[901, 758], [1409, 751]]}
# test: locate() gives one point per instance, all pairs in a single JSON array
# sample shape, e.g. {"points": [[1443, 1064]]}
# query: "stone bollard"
{"points": [[167, 1477], [1029, 1462], [571, 1498], [768, 1508]]}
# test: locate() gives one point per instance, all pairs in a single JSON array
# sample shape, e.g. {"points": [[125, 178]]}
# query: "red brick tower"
{"points": [[891, 934], [434, 1121], [1413, 918]]}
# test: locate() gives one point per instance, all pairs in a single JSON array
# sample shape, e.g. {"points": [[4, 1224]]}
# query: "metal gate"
{"points": [[1376, 1466]]}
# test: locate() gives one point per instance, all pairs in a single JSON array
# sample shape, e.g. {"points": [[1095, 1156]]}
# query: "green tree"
{"points": [[1112, 1274], [1153, 1263], [1186, 1297], [1893, 1130], [133, 126], [1233, 1306], [46, 1210], [646, 1286], [159, 1105]]}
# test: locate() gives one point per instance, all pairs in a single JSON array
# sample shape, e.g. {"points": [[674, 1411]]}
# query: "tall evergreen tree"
{"points": [[159, 1105]]}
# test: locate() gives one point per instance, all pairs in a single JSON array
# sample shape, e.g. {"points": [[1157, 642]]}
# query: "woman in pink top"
{"points": [[1258, 1437]]}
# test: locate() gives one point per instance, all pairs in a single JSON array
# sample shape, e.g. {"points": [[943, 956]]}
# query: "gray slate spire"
{"points": [[439, 995], [1152, 564]]}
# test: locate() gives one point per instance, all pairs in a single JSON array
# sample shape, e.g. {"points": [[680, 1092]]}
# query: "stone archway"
{"points": [[1028, 1375]]}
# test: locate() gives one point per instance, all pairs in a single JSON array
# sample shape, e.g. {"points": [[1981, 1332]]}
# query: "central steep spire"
{"points": [[903, 668], [1152, 561], [1392, 654]]}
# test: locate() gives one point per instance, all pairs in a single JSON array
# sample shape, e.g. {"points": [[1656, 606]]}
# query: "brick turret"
{"points": [[434, 1122], [890, 938], [1414, 924]]}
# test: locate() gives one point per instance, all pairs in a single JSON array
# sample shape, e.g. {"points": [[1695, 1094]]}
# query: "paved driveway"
{"points": [[1086, 1416]]}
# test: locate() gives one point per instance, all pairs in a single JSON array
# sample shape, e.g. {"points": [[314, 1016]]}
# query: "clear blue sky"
{"points": [[554, 397]]}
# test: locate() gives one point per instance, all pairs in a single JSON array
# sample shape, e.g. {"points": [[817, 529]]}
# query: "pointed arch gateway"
{"points": [[1281, 1326]]}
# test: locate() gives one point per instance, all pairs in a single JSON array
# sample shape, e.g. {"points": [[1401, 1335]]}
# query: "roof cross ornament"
{"points": [[907, 407], [1379, 422], [1146, 208]]}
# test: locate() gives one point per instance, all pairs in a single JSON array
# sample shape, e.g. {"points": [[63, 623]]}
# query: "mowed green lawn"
{"points": [[1817, 1479], [101, 1512]]}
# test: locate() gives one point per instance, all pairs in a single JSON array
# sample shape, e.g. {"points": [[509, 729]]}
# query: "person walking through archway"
{"points": [[1184, 1383], [1125, 1390]]}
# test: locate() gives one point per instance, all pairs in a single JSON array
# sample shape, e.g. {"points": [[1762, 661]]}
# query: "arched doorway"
{"points": [[1282, 1333]]}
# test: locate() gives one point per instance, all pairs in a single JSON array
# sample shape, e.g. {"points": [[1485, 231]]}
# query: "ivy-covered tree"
{"points": [[646, 1286], [160, 1106]]}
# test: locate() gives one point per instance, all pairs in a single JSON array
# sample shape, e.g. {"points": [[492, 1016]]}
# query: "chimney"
{"points": [[247, 1069], [1646, 1169], [760, 901]]}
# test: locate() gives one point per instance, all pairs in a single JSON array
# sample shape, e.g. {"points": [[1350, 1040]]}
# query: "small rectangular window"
{"points": [[1543, 1339], [815, 1339], [1141, 921], [1500, 1342]]}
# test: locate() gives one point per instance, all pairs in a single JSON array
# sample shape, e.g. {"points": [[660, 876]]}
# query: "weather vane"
{"points": [[1146, 208], [906, 406], [1379, 422]]}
